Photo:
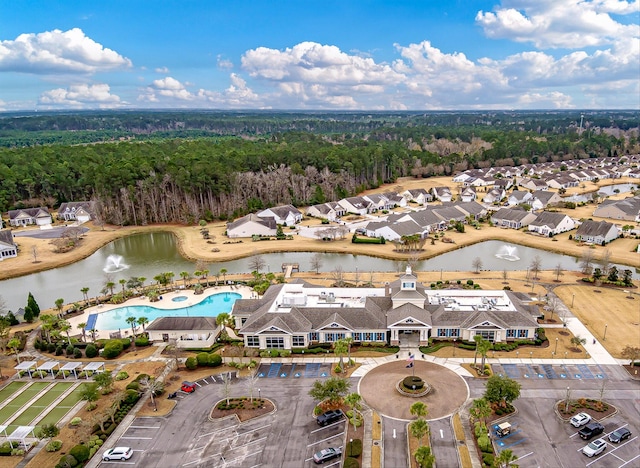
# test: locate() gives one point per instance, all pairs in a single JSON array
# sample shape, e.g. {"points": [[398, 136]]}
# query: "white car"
{"points": [[594, 448], [580, 419], [118, 453]]}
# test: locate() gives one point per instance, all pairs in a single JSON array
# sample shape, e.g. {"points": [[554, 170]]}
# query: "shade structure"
{"points": [[22, 433], [93, 367], [48, 366], [71, 367], [26, 365]]}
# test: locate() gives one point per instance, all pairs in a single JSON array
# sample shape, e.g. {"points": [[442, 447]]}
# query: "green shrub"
{"points": [[91, 351], [51, 347], [470, 282], [487, 459], [59, 350], [67, 461], [77, 353], [126, 342], [351, 463], [53, 446], [354, 449], [214, 360], [5, 450], [112, 349], [76, 421], [69, 350], [133, 386], [202, 359], [191, 363], [140, 377], [122, 375], [131, 397], [80, 452], [142, 341], [485, 444]]}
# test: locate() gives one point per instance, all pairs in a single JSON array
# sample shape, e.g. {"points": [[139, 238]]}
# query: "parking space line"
{"points": [[144, 427], [525, 455], [626, 463], [118, 462], [616, 456], [134, 438], [327, 426], [324, 440]]}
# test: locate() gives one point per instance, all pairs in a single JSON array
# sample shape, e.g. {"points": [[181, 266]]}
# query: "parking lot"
{"points": [[296, 371], [187, 438], [550, 371]]}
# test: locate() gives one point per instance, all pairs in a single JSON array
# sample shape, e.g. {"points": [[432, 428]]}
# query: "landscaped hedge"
{"points": [[354, 449], [113, 348], [351, 463], [367, 240], [80, 452], [67, 461]]}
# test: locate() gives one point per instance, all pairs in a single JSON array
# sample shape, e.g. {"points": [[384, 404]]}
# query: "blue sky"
{"points": [[320, 54]]}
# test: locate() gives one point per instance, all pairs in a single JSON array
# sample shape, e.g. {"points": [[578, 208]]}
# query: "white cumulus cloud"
{"points": [[81, 96], [559, 23], [58, 51], [162, 70]]}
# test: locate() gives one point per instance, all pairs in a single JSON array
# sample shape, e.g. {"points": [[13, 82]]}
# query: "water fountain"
{"points": [[509, 253], [114, 264]]}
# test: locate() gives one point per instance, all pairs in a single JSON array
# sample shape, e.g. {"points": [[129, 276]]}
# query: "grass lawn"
{"points": [[10, 389]]}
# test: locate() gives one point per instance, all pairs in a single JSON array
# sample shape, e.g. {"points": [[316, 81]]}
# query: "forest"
{"points": [[181, 167]]}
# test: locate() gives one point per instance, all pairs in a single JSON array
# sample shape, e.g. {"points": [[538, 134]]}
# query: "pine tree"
{"points": [[33, 305], [28, 314]]}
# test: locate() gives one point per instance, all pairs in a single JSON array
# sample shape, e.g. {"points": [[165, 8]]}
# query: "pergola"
{"points": [[3, 430], [48, 366], [26, 365], [21, 433], [93, 367], [70, 366]]}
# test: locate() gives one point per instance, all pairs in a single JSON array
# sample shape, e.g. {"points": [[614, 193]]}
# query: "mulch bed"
{"points": [[575, 408], [244, 414], [634, 371]]}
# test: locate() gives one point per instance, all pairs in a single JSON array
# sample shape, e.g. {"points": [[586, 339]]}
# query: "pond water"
{"points": [[147, 255], [605, 191], [115, 319]]}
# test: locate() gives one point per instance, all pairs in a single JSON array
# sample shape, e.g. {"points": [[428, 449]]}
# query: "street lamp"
{"points": [[556, 348], [259, 394], [604, 337], [351, 447]]}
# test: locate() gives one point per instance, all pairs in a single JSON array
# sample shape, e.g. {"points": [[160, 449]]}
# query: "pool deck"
{"points": [[165, 303]]}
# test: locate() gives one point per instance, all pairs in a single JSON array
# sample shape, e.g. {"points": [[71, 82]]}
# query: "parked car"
{"points": [[330, 417], [590, 430], [619, 435], [326, 454], [580, 419], [118, 453], [594, 448], [188, 387]]}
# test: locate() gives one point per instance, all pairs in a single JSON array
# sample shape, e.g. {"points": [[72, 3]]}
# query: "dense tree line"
{"points": [[318, 158]]}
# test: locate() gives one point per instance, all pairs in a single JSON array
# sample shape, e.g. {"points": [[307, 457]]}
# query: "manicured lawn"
{"points": [[20, 400], [10, 389], [63, 407]]}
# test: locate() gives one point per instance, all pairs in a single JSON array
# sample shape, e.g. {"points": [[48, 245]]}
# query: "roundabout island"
{"points": [[448, 391]]}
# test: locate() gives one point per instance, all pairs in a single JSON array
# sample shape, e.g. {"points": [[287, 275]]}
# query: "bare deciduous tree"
{"points": [[505, 276], [605, 262], [316, 262], [477, 264], [338, 276], [535, 266], [257, 262], [586, 262], [558, 271], [34, 253]]}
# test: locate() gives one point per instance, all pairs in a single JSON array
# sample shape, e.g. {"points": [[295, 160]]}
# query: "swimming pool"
{"points": [[116, 319]]}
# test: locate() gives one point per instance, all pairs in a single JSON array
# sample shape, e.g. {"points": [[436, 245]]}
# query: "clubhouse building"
{"points": [[301, 315]]}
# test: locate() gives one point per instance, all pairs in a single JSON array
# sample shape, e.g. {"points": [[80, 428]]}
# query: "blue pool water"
{"points": [[179, 299], [117, 318]]}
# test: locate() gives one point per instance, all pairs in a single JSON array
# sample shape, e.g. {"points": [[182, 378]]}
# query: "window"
{"points": [[253, 341], [486, 334], [329, 337], [357, 336], [314, 336], [275, 342], [297, 340], [448, 332], [523, 333], [381, 337], [511, 333]]}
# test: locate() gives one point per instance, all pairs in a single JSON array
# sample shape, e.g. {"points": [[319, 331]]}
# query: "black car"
{"points": [[619, 435], [590, 430], [330, 417]]}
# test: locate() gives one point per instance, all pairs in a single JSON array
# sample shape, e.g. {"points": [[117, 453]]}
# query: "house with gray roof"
{"points": [[596, 232], [442, 193], [252, 225], [330, 210], [287, 215], [301, 315], [540, 199], [517, 197], [8, 248], [627, 209], [419, 196], [494, 195], [512, 218], [356, 205], [81, 211], [27, 216], [549, 223]]}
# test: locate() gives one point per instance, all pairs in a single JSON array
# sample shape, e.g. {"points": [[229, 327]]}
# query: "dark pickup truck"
{"points": [[330, 417], [590, 430]]}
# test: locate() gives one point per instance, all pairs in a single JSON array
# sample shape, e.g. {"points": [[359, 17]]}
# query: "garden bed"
{"points": [[242, 408]]}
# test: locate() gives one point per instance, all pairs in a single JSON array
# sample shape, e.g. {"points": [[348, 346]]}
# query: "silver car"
{"points": [[118, 453], [595, 448]]}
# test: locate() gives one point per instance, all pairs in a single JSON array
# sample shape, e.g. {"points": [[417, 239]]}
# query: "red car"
{"points": [[188, 387]]}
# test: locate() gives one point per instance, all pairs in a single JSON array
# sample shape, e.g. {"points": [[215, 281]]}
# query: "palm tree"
{"points": [[110, 285], [424, 457], [132, 321], [480, 410], [578, 340], [123, 282], [143, 321], [477, 339], [505, 460], [419, 428], [340, 348], [59, 305], [153, 387], [353, 400], [93, 334], [483, 348], [205, 276], [142, 279], [419, 409], [223, 272], [48, 323], [185, 276], [85, 293], [64, 327], [81, 326]]}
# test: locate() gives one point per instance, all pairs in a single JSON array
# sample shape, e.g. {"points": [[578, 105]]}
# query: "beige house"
{"points": [[252, 225]]}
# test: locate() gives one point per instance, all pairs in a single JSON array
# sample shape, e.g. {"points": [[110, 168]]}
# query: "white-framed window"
{"points": [[381, 337], [487, 334], [523, 333], [314, 336], [511, 333], [253, 341], [275, 342], [297, 340]]}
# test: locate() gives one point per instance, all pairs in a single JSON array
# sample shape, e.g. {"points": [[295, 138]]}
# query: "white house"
{"points": [[494, 196], [27, 216], [468, 194], [518, 197], [596, 232], [512, 218], [188, 332], [330, 210], [549, 223], [419, 196], [252, 225], [356, 205], [76, 211], [8, 247], [442, 193], [540, 199], [287, 215]]}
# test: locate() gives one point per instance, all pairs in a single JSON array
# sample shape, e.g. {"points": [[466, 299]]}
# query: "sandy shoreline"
{"points": [[193, 247]]}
